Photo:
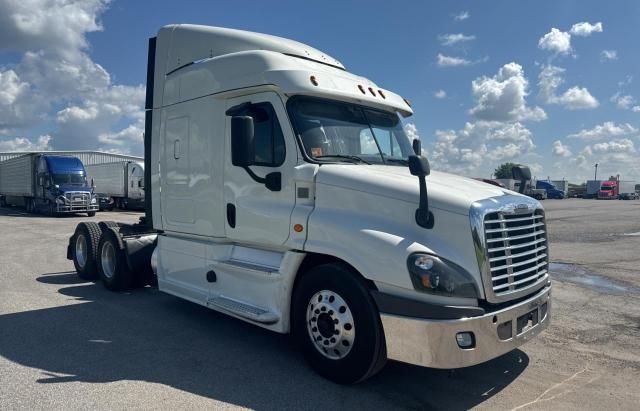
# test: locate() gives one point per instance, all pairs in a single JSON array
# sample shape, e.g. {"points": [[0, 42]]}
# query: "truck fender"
{"points": [[138, 250]]}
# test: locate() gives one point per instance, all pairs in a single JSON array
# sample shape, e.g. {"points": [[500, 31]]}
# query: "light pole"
{"points": [[595, 176]]}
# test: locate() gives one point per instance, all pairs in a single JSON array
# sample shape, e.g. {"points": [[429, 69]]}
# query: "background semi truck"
{"points": [[46, 183], [530, 187], [613, 188], [121, 183], [282, 190], [551, 189]]}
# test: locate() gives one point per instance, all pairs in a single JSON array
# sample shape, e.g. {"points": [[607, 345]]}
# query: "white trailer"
{"points": [[120, 182], [626, 187], [283, 191], [17, 178]]}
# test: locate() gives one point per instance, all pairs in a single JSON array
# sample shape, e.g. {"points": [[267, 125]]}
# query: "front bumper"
{"points": [[432, 343], [75, 208]]}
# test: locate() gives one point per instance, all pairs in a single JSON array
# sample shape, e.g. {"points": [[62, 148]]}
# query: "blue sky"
{"points": [[490, 81]]}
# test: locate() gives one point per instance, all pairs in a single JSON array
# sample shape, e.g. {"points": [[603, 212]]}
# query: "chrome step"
{"points": [[244, 310]]}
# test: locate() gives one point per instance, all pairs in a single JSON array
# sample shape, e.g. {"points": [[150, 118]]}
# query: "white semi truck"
{"points": [[283, 191], [121, 183]]}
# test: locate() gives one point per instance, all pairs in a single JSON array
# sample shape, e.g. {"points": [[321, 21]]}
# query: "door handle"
{"points": [[231, 215]]}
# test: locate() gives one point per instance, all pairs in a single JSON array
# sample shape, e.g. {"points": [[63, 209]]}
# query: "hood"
{"points": [[447, 192], [64, 188]]}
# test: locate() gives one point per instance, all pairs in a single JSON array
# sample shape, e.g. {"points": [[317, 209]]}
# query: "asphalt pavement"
{"points": [[70, 344]]}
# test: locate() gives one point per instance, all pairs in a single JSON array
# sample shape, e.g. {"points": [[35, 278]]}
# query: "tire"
{"points": [[346, 311], [113, 268], [85, 248], [91, 213], [3, 202]]}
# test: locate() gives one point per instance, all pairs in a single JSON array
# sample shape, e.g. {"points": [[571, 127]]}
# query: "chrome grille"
{"points": [[516, 250]]}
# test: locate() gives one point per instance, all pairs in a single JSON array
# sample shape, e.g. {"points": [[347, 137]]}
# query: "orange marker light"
{"points": [[298, 228], [373, 93], [362, 89]]}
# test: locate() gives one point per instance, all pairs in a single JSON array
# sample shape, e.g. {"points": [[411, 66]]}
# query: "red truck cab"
{"points": [[608, 190]]}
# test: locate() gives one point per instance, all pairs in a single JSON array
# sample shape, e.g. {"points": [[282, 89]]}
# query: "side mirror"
{"points": [[242, 143], [417, 147], [419, 166]]}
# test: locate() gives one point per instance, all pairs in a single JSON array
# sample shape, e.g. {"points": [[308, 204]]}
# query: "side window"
{"points": [[269, 140]]}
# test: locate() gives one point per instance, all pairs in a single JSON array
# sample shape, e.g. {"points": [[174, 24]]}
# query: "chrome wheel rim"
{"points": [[81, 250], [330, 324], [108, 259]]}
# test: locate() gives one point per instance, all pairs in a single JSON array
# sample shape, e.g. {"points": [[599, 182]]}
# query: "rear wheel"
{"points": [[3, 202], [113, 268], [337, 325], [85, 246]]}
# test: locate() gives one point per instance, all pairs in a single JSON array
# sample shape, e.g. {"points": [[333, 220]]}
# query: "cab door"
{"points": [[255, 214]]}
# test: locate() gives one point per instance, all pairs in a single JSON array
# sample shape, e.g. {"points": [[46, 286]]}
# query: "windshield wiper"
{"points": [[397, 160], [346, 157]]}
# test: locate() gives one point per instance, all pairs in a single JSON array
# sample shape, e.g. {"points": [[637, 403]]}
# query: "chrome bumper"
{"points": [[432, 343]]}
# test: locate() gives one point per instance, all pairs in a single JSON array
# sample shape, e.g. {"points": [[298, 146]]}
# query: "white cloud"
{"points": [[556, 41], [451, 39], [623, 102], [575, 98], [448, 61], [606, 130], [463, 15], [56, 84], [412, 131], [623, 145], [503, 96], [58, 26], [585, 29], [479, 143], [607, 55], [560, 150], [635, 109], [24, 144], [440, 94]]}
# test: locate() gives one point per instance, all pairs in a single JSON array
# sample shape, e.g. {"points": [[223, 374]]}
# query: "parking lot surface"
{"points": [[67, 343]]}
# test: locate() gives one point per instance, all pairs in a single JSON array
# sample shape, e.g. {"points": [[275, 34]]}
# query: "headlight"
{"points": [[60, 200], [434, 275], [93, 200]]}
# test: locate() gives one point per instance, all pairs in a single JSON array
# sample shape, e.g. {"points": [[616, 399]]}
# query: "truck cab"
{"points": [[61, 185], [552, 190], [282, 190], [608, 190]]}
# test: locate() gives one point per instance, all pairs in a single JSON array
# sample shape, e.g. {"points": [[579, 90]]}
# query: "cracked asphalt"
{"points": [[70, 344]]}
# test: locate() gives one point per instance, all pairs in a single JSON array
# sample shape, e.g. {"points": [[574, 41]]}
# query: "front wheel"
{"points": [[337, 325]]}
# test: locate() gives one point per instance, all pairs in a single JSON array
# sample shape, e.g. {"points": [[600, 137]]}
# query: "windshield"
{"points": [[75, 179], [336, 131]]}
